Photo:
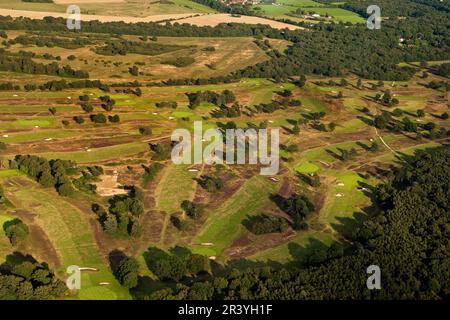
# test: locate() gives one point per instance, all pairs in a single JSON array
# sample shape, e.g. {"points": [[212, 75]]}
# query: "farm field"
{"points": [[286, 9], [88, 128], [135, 8]]}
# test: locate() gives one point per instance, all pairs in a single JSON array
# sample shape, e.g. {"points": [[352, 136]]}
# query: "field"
{"points": [[136, 8], [64, 230], [285, 9], [228, 55], [215, 19]]}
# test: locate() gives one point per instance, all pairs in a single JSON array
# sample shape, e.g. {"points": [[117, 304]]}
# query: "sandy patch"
{"points": [[108, 186], [215, 19]]}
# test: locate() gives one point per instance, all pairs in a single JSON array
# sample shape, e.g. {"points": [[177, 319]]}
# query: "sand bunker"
{"points": [[108, 186]]}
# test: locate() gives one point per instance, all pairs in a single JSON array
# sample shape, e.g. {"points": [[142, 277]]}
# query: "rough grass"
{"points": [[224, 225], [297, 250], [99, 154], [72, 237]]}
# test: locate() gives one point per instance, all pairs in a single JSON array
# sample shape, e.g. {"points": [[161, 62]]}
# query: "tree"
{"points": [[444, 116], [46, 179], [331, 126], [197, 263], [380, 122], [65, 189], [98, 118], [127, 272], [52, 110], [145, 131], [16, 231], [359, 84], [133, 70], [374, 147], [420, 113], [114, 118], [79, 119], [87, 107]]}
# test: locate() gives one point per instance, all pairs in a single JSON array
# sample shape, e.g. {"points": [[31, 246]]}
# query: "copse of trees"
{"points": [[150, 172], [211, 183], [167, 104], [53, 173], [107, 103], [126, 271], [298, 207], [266, 223], [27, 65], [51, 41], [173, 266], [124, 47], [122, 217], [9, 86], [443, 70], [193, 210], [24, 278], [219, 99], [16, 231], [224, 111], [98, 118]]}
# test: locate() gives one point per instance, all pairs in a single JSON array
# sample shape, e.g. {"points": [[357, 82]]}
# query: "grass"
{"points": [[9, 173], [27, 123], [72, 237], [137, 8], [224, 224], [38, 135], [297, 250], [284, 8], [99, 154], [337, 209], [176, 186], [307, 167]]}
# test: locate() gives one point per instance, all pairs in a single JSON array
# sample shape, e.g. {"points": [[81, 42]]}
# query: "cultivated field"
{"points": [[134, 8]]}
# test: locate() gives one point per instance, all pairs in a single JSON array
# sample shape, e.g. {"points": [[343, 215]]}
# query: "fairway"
{"points": [[224, 225]]}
